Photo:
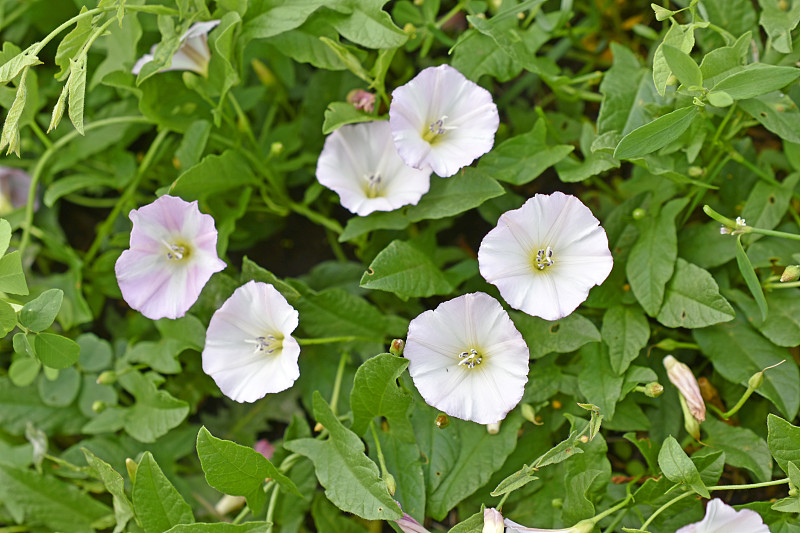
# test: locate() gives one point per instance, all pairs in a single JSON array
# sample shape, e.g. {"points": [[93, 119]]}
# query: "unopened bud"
{"points": [[682, 377], [690, 423], [361, 99], [557, 503], [672, 80], [755, 380], [131, 466], [99, 406], [264, 74], [390, 483], [276, 148], [695, 171], [528, 412], [793, 492], [442, 421], [584, 439], [638, 213], [584, 526], [397, 347], [653, 390], [318, 427], [668, 345], [107, 378], [791, 273], [492, 521], [493, 429], [228, 503], [410, 30]]}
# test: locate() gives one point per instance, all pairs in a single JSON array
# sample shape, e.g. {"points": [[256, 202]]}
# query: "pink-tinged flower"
{"points": [[408, 525], [441, 120], [584, 526], [193, 53], [14, 186], [722, 518], [682, 377], [264, 447], [360, 163], [362, 100], [492, 521], [545, 256], [249, 349], [467, 359], [173, 254]]}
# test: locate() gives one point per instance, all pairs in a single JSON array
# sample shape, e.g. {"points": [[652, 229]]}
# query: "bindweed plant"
{"points": [[414, 266]]}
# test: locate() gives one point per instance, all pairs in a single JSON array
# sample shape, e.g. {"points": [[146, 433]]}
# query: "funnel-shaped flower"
{"points": [[407, 524], [546, 256], [441, 120], [360, 163], [173, 254], [249, 349], [14, 186], [585, 526], [682, 377], [722, 518], [467, 359], [193, 53]]}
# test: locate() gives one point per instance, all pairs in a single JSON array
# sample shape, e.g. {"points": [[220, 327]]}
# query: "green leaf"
{"points": [[620, 88], [238, 470], [625, 331], [782, 325], [156, 502], [767, 204], [77, 91], [406, 271], [594, 162], [56, 351], [38, 314], [473, 524], [656, 134], [647, 448], [61, 391], [692, 299], [193, 143], [738, 352], [678, 468], [783, 440], [683, 66], [338, 114], [155, 411], [779, 22], [742, 447], [329, 519], [351, 480], [756, 79], [478, 55], [203, 179], [5, 235], [8, 319], [221, 527], [517, 480], [71, 44], [560, 336], [375, 393], [365, 23], [776, 112], [114, 484], [651, 262], [279, 16], [12, 279], [42, 500], [521, 159], [679, 36], [750, 277], [452, 196], [24, 370], [21, 61], [719, 99], [10, 135], [404, 462], [303, 44], [598, 382]]}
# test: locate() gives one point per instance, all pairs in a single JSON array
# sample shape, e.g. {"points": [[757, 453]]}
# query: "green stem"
{"points": [[751, 485], [41, 135], [50, 152], [773, 233], [239, 517], [243, 120], [97, 33], [313, 216], [787, 285], [739, 158], [273, 501], [665, 506], [725, 221], [106, 227], [613, 509], [337, 384], [733, 410], [722, 124], [331, 340], [447, 16], [378, 450]]}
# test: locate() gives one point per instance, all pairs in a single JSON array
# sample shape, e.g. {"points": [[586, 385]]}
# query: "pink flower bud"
{"points": [[681, 376]]}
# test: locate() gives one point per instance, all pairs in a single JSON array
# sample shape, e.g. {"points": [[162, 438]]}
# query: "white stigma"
{"points": [[175, 252], [266, 344], [544, 258], [373, 185], [470, 359]]}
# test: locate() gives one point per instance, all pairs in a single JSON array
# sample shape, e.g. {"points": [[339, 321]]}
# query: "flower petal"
{"points": [[722, 518]]}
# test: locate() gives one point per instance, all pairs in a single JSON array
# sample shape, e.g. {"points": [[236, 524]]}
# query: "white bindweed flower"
{"points": [[193, 53], [249, 349], [722, 518], [360, 163], [585, 526], [441, 120], [15, 184], [492, 521], [172, 255], [467, 359], [545, 256], [682, 377]]}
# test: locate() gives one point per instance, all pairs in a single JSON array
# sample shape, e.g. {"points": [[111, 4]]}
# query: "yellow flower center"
{"points": [[543, 259], [267, 344], [178, 251], [470, 359], [434, 132]]}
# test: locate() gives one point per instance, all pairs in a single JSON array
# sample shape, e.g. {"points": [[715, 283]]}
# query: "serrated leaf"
{"points": [[625, 331], [38, 314], [238, 470], [157, 503], [375, 393], [656, 134], [406, 271], [56, 351], [692, 299], [678, 468], [750, 277], [351, 480]]}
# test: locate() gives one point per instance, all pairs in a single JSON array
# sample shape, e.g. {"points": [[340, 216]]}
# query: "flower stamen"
{"points": [[175, 251], [436, 129], [266, 344], [544, 258], [373, 185], [470, 359]]}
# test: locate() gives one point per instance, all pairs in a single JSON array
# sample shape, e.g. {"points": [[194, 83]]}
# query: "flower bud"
{"points": [[397, 347], [493, 429], [408, 525], [668, 345], [638, 213], [791, 273], [528, 412], [696, 172], [756, 380], [264, 74], [107, 378], [681, 376], [492, 521], [690, 423], [442, 421], [275, 148], [99, 406], [131, 466], [362, 100], [390, 483], [654, 389], [228, 503], [264, 447]]}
